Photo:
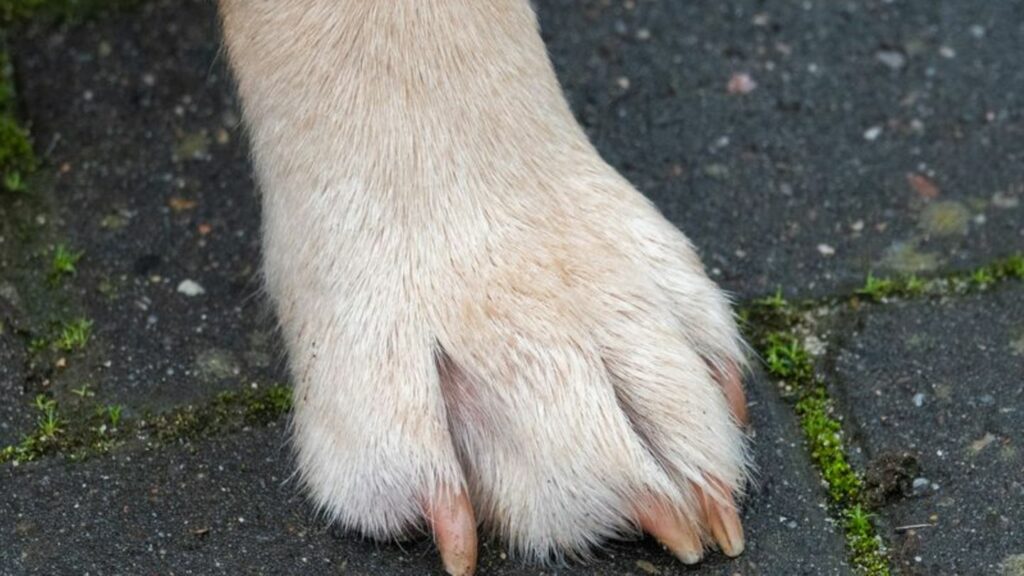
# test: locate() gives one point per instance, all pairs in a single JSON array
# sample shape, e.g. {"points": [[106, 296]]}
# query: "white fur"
{"points": [[469, 295]]}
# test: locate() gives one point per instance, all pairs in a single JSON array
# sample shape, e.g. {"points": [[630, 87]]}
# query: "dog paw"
{"points": [[486, 325], [559, 370]]}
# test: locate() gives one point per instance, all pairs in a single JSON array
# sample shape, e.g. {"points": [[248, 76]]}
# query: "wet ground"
{"points": [[800, 145]]}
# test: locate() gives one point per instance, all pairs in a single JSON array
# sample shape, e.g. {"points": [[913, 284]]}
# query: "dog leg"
{"points": [[484, 321]]}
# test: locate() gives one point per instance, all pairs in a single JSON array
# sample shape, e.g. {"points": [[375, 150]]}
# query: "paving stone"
{"points": [[803, 182], [140, 102], [935, 395], [146, 173], [227, 506], [15, 418], [136, 121], [878, 135]]}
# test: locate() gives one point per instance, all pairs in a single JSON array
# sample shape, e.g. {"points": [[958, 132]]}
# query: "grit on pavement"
{"points": [[802, 145]]}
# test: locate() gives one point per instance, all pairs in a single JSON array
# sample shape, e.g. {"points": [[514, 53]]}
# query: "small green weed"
{"points": [[982, 278], [13, 182], [114, 414], [786, 358], [914, 286], [83, 392], [876, 288], [63, 263], [49, 422], [773, 302], [1014, 267], [74, 335], [45, 438], [865, 545], [37, 345]]}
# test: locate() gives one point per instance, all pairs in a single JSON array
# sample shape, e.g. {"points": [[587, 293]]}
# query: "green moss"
{"points": [[771, 324], [7, 95], [914, 285], [957, 283], [824, 435], [229, 410], [982, 278], [864, 544], [877, 288], [786, 358], [97, 428], [17, 159]]}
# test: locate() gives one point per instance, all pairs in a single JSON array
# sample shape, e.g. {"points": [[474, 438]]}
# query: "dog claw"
{"points": [[724, 523], [674, 533], [731, 381], [454, 527]]}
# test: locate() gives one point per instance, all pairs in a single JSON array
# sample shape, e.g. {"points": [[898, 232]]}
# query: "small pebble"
{"points": [[741, 83], [826, 250], [191, 288], [892, 59], [919, 399], [1005, 201], [872, 134], [920, 485], [647, 567]]}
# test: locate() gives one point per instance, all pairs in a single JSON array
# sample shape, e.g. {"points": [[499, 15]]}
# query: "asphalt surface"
{"points": [[872, 135], [802, 183], [226, 505], [936, 391]]}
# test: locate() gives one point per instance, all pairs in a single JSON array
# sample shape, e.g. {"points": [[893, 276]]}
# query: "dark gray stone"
{"points": [[137, 125], [145, 172], [225, 506], [935, 393], [760, 180], [15, 416]]}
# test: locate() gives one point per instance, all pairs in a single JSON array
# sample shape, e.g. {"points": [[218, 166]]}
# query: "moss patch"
{"points": [[774, 326], [94, 429], [877, 288], [17, 160], [771, 325]]}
